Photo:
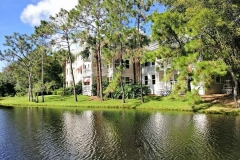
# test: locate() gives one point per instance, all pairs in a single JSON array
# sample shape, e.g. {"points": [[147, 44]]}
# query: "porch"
{"points": [[87, 90], [164, 88], [227, 87]]}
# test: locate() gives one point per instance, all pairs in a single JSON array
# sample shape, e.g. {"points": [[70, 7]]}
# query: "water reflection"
{"points": [[30, 133]]}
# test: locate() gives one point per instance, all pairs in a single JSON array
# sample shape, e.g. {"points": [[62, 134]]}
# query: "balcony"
{"points": [[110, 72], [161, 67], [87, 90], [87, 72], [165, 88], [227, 87]]}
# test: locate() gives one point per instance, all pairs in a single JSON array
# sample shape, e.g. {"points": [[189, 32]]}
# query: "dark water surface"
{"points": [[31, 133]]}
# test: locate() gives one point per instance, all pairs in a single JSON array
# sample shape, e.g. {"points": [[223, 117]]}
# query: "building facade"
{"points": [[153, 73]]}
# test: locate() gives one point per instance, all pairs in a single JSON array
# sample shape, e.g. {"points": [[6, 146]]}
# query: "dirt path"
{"points": [[219, 98]]}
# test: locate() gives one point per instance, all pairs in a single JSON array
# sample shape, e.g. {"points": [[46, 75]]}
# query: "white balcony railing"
{"points": [[87, 90], [87, 72], [165, 88], [227, 87], [110, 72]]}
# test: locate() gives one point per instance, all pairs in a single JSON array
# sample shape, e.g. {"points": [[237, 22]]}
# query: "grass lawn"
{"points": [[151, 102]]}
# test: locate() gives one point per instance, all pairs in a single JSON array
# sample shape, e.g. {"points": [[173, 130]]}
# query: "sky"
{"points": [[22, 15]]}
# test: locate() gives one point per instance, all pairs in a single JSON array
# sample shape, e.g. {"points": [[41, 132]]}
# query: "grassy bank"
{"points": [[152, 102]]}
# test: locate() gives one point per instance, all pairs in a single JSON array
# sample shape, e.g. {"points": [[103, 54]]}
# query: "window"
{"points": [[175, 77], [153, 79], [117, 63], [109, 79], [146, 80], [127, 63], [218, 79], [127, 80]]}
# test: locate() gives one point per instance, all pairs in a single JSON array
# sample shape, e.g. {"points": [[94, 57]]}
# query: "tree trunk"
{"points": [[139, 50], [30, 95], [134, 71], [71, 68], [100, 71], [189, 84], [98, 84], [36, 97], [64, 76], [142, 98], [121, 78], [42, 88], [29, 87], [235, 89]]}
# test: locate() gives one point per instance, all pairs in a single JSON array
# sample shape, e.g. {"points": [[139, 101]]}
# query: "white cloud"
{"points": [[33, 14]]}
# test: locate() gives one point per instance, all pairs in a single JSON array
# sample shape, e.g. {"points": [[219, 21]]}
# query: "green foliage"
{"points": [[94, 87], [113, 90], [193, 98], [69, 90], [79, 88], [7, 84], [21, 94], [58, 91]]}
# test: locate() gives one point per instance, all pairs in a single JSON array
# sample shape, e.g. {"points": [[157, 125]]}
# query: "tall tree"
{"points": [[118, 13], [167, 30], [65, 36], [217, 26], [20, 50], [43, 34], [207, 28], [139, 14], [90, 16]]}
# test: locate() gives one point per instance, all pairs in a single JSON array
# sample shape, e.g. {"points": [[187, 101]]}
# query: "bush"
{"points": [[20, 94], [193, 98], [94, 87], [68, 91], [59, 92], [131, 90], [79, 88]]}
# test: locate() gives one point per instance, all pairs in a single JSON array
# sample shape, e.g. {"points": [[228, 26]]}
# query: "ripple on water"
{"points": [[90, 135]]}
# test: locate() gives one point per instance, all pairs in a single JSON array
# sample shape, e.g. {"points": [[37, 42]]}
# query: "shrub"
{"points": [[59, 92], [131, 90], [193, 97], [20, 94], [79, 88], [68, 91]]}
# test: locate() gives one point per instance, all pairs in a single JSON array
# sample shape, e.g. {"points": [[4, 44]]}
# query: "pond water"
{"points": [[38, 133]]}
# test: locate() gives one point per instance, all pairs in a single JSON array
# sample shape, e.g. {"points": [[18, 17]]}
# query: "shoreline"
{"points": [[152, 103]]}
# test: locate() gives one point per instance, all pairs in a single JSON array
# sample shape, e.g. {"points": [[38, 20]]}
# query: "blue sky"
{"points": [[22, 15], [10, 22]]}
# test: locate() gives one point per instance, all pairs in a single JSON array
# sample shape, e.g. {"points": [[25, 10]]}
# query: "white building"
{"points": [[153, 74]]}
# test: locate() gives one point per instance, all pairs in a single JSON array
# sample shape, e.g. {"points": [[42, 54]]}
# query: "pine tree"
{"points": [[65, 36], [20, 49]]}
